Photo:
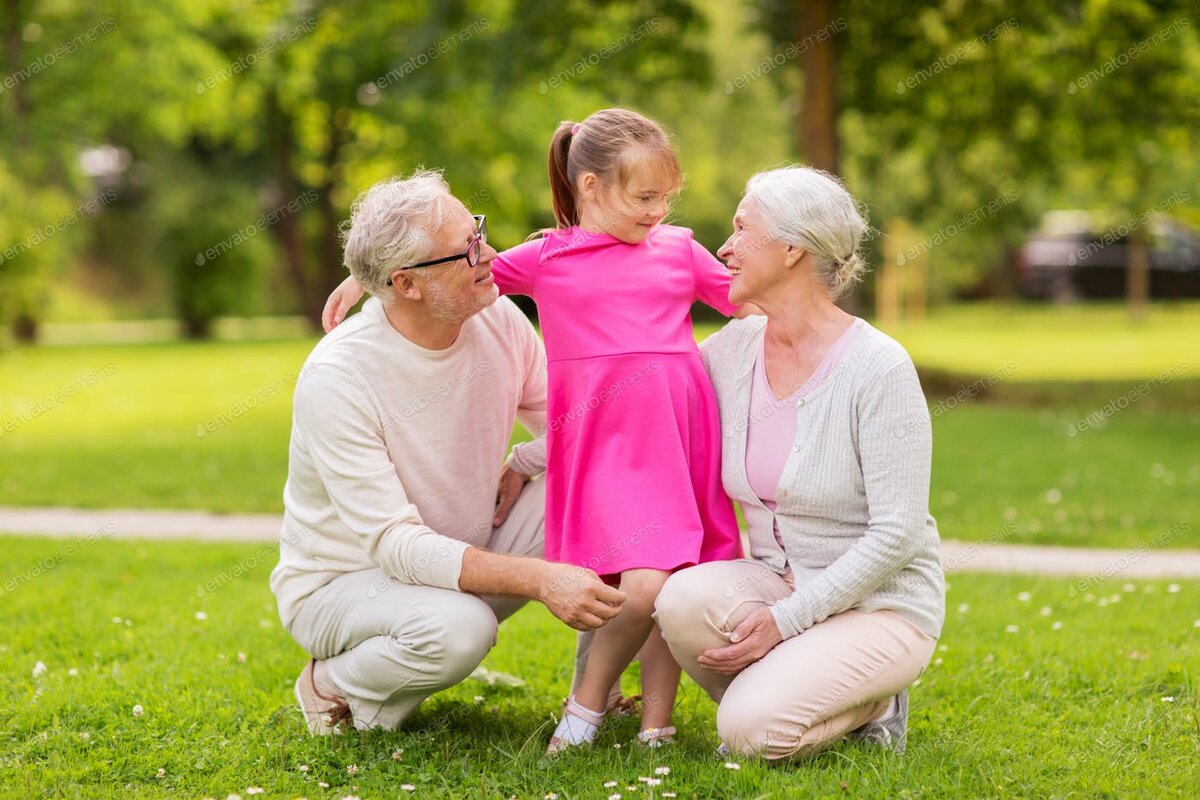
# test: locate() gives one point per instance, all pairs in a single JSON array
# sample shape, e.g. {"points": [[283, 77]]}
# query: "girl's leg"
{"points": [[615, 645], [660, 682]]}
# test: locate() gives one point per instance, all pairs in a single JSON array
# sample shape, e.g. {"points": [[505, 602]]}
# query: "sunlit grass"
{"points": [[1090, 695]]}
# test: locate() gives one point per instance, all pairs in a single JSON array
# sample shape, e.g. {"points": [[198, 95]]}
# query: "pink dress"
{"points": [[633, 476]]}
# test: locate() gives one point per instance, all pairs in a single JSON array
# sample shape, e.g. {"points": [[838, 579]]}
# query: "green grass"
{"points": [[1073, 712], [1054, 343], [206, 426]]}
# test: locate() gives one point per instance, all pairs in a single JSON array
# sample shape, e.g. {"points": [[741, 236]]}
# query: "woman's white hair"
{"points": [[809, 208], [393, 224]]}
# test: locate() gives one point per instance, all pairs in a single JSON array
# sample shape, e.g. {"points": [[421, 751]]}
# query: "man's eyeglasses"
{"points": [[472, 254]]}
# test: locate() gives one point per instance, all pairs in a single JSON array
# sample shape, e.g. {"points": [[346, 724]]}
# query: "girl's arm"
{"points": [[712, 284], [513, 270], [344, 297]]}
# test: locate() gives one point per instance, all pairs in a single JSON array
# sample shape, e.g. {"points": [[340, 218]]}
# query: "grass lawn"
{"points": [[1090, 695], [206, 426]]}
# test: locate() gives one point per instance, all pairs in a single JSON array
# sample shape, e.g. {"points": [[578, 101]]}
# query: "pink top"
{"points": [[771, 430], [633, 443], [599, 296]]}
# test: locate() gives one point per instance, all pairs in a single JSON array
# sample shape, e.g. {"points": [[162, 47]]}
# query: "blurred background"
{"points": [[173, 176]]}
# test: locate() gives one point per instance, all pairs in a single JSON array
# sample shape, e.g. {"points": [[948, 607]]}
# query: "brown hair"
{"points": [[603, 144]]}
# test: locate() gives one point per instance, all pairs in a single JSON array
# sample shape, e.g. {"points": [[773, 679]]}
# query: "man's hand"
{"points": [[578, 597], [511, 484], [751, 640]]}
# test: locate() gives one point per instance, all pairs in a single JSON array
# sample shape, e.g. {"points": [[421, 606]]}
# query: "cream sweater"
{"points": [[853, 500], [396, 450]]}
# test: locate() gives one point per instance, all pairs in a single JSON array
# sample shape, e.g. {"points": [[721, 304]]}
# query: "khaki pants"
{"points": [[389, 645], [809, 690]]}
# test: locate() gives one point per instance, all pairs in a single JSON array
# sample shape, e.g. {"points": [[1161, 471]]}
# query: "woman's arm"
{"points": [[895, 450]]}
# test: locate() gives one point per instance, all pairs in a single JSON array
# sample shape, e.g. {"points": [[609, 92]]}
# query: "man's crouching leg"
{"points": [[384, 646]]}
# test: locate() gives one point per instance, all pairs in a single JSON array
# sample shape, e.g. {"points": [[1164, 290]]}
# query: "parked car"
{"points": [[1074, 255]]}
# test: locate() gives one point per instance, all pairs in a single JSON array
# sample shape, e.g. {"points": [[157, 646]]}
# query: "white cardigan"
{"points": [[853, 499]]}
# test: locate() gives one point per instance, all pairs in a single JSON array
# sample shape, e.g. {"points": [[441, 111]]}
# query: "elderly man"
{"points": [[397, 560]]}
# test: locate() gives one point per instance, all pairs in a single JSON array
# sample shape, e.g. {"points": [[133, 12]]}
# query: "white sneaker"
{"points": [[323, 713]]}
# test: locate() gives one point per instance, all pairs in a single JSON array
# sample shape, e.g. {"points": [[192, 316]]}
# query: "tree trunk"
{"points": [[816, 120], [1137, 275], [330, 271], [287, 230]]}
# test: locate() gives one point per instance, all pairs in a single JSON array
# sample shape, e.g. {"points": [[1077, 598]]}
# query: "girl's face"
{"points": [[628, 212], [756, 261]]}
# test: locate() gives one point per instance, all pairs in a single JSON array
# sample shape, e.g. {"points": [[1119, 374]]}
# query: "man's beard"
{"points": [[448, 306]]}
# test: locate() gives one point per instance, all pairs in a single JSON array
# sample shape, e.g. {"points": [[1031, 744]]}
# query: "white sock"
{"points": [[579, 725]]}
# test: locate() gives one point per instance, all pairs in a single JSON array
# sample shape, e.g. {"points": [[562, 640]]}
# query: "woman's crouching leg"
{"points": [[699, 607], [813, 689]]}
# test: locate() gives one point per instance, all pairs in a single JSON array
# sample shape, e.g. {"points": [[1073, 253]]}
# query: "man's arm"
{"points": [[575, 595], [337, 424]]}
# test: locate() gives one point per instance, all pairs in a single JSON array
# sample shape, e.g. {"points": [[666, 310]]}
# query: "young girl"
{"points": [[633, 476]]}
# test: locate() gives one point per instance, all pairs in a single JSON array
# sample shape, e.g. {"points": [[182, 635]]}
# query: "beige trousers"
{"points": [[389, 645], [808, 691]]}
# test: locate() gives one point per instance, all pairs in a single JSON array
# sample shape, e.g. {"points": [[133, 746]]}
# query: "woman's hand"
{"points": [[751, 640], [511, 484], [342, 300]]}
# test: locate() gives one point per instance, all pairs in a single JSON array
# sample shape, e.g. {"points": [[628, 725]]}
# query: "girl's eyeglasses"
{"points": [[472, 254]]}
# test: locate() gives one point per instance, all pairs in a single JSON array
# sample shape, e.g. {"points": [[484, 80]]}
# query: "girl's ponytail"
{"points": [[566, 212]]}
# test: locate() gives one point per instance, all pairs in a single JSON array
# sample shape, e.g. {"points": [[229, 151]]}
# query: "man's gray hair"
{"points": [[809, 208], [393, 224]]}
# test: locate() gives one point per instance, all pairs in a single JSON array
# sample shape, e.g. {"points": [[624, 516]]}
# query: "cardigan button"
{"points": [[800, 402], [796, 448]]}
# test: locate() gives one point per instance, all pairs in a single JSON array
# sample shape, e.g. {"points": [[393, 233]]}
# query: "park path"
{"points": [[956, 556]]}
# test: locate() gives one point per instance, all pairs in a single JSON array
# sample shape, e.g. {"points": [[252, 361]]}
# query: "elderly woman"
{"points": [[827, 448]]}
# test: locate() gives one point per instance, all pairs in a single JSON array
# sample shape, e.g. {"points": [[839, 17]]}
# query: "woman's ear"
{"points": [[795, 254]]}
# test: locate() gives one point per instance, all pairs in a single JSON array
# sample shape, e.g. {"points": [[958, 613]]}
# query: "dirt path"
{"points": [[956, 556]]}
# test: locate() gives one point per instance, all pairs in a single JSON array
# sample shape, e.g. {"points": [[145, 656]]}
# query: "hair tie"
{"points": [[575, 129]]}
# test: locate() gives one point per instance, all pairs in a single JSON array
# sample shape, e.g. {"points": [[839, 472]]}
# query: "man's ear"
{"points": [[404, 285]]}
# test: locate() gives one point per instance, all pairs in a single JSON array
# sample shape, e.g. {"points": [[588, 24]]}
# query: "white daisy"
{"points": [[39, 669], [138, 711], [200, 615]]}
